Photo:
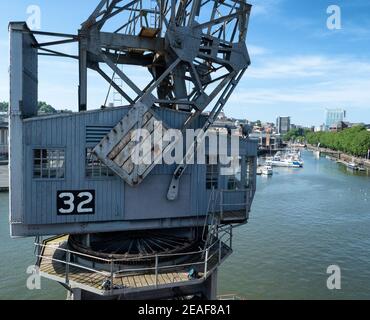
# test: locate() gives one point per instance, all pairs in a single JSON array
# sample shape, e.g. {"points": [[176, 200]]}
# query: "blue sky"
{"points": [[299, 66]]}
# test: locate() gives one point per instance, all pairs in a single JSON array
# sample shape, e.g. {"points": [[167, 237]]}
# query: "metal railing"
{"points": [[203, 261], [229, 297], [224, 204]]}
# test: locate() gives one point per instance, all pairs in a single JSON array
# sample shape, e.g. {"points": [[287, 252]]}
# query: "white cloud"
{"points": [[259, 9], [304, 86], [311, 66], [357, 94], [265, 7], [350, 31], [358, 33], [256, 50]]}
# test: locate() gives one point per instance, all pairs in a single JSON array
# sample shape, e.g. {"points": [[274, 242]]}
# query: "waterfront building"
{"points": [[283, 125], [267, 141], [321, 128], [333, 116], [339, 126]]}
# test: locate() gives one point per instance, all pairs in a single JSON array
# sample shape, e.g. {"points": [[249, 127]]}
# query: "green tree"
{"points": [[4, 106], [354, 141], [45, 108], [298, 135]]}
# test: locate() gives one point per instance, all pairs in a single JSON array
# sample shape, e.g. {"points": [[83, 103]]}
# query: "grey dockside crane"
{"points": [[128, 230]]}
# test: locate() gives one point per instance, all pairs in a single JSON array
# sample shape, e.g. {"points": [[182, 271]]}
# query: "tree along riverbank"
{"points": [[343, 157], [353, 141]]}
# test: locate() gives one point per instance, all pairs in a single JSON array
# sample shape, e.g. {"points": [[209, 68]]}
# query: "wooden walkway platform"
{"points": [[52, 267], [234, 217]]}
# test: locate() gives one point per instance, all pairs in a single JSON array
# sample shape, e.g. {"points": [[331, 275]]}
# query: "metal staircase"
{"points": [[212, 221], [153, 19]]}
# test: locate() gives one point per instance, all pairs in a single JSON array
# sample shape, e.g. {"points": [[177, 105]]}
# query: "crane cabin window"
{"points": [[233, 174], [48, 163], [213, 173], [95, 168]]}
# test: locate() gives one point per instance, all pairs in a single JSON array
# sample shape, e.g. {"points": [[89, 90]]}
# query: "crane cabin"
{"points": [[86, 174]]}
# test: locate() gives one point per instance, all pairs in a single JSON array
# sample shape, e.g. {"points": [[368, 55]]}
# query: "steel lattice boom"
{"points": [[194, 50]]}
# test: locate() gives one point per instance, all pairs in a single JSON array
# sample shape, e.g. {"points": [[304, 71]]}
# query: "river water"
{"points": [[302, 221]]}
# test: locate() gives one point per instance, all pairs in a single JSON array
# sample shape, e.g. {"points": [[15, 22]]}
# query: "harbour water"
{"points": [[302, 221]]}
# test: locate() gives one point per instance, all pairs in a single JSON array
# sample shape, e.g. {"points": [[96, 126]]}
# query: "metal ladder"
{"points": [[153, 15], [117, 97]]}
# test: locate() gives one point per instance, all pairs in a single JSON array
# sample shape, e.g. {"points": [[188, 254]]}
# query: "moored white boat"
{"points": [[289, 160], [267, 170], [286, 163], [352, 166]]}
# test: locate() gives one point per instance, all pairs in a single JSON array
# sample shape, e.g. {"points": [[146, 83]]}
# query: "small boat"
{"points": [[352, 166], [295, 157], [361, 167], [284, 163], [291, 159], [267, 170]]}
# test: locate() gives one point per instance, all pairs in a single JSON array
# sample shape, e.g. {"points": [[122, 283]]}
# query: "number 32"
{"points": [[84, 199]]}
